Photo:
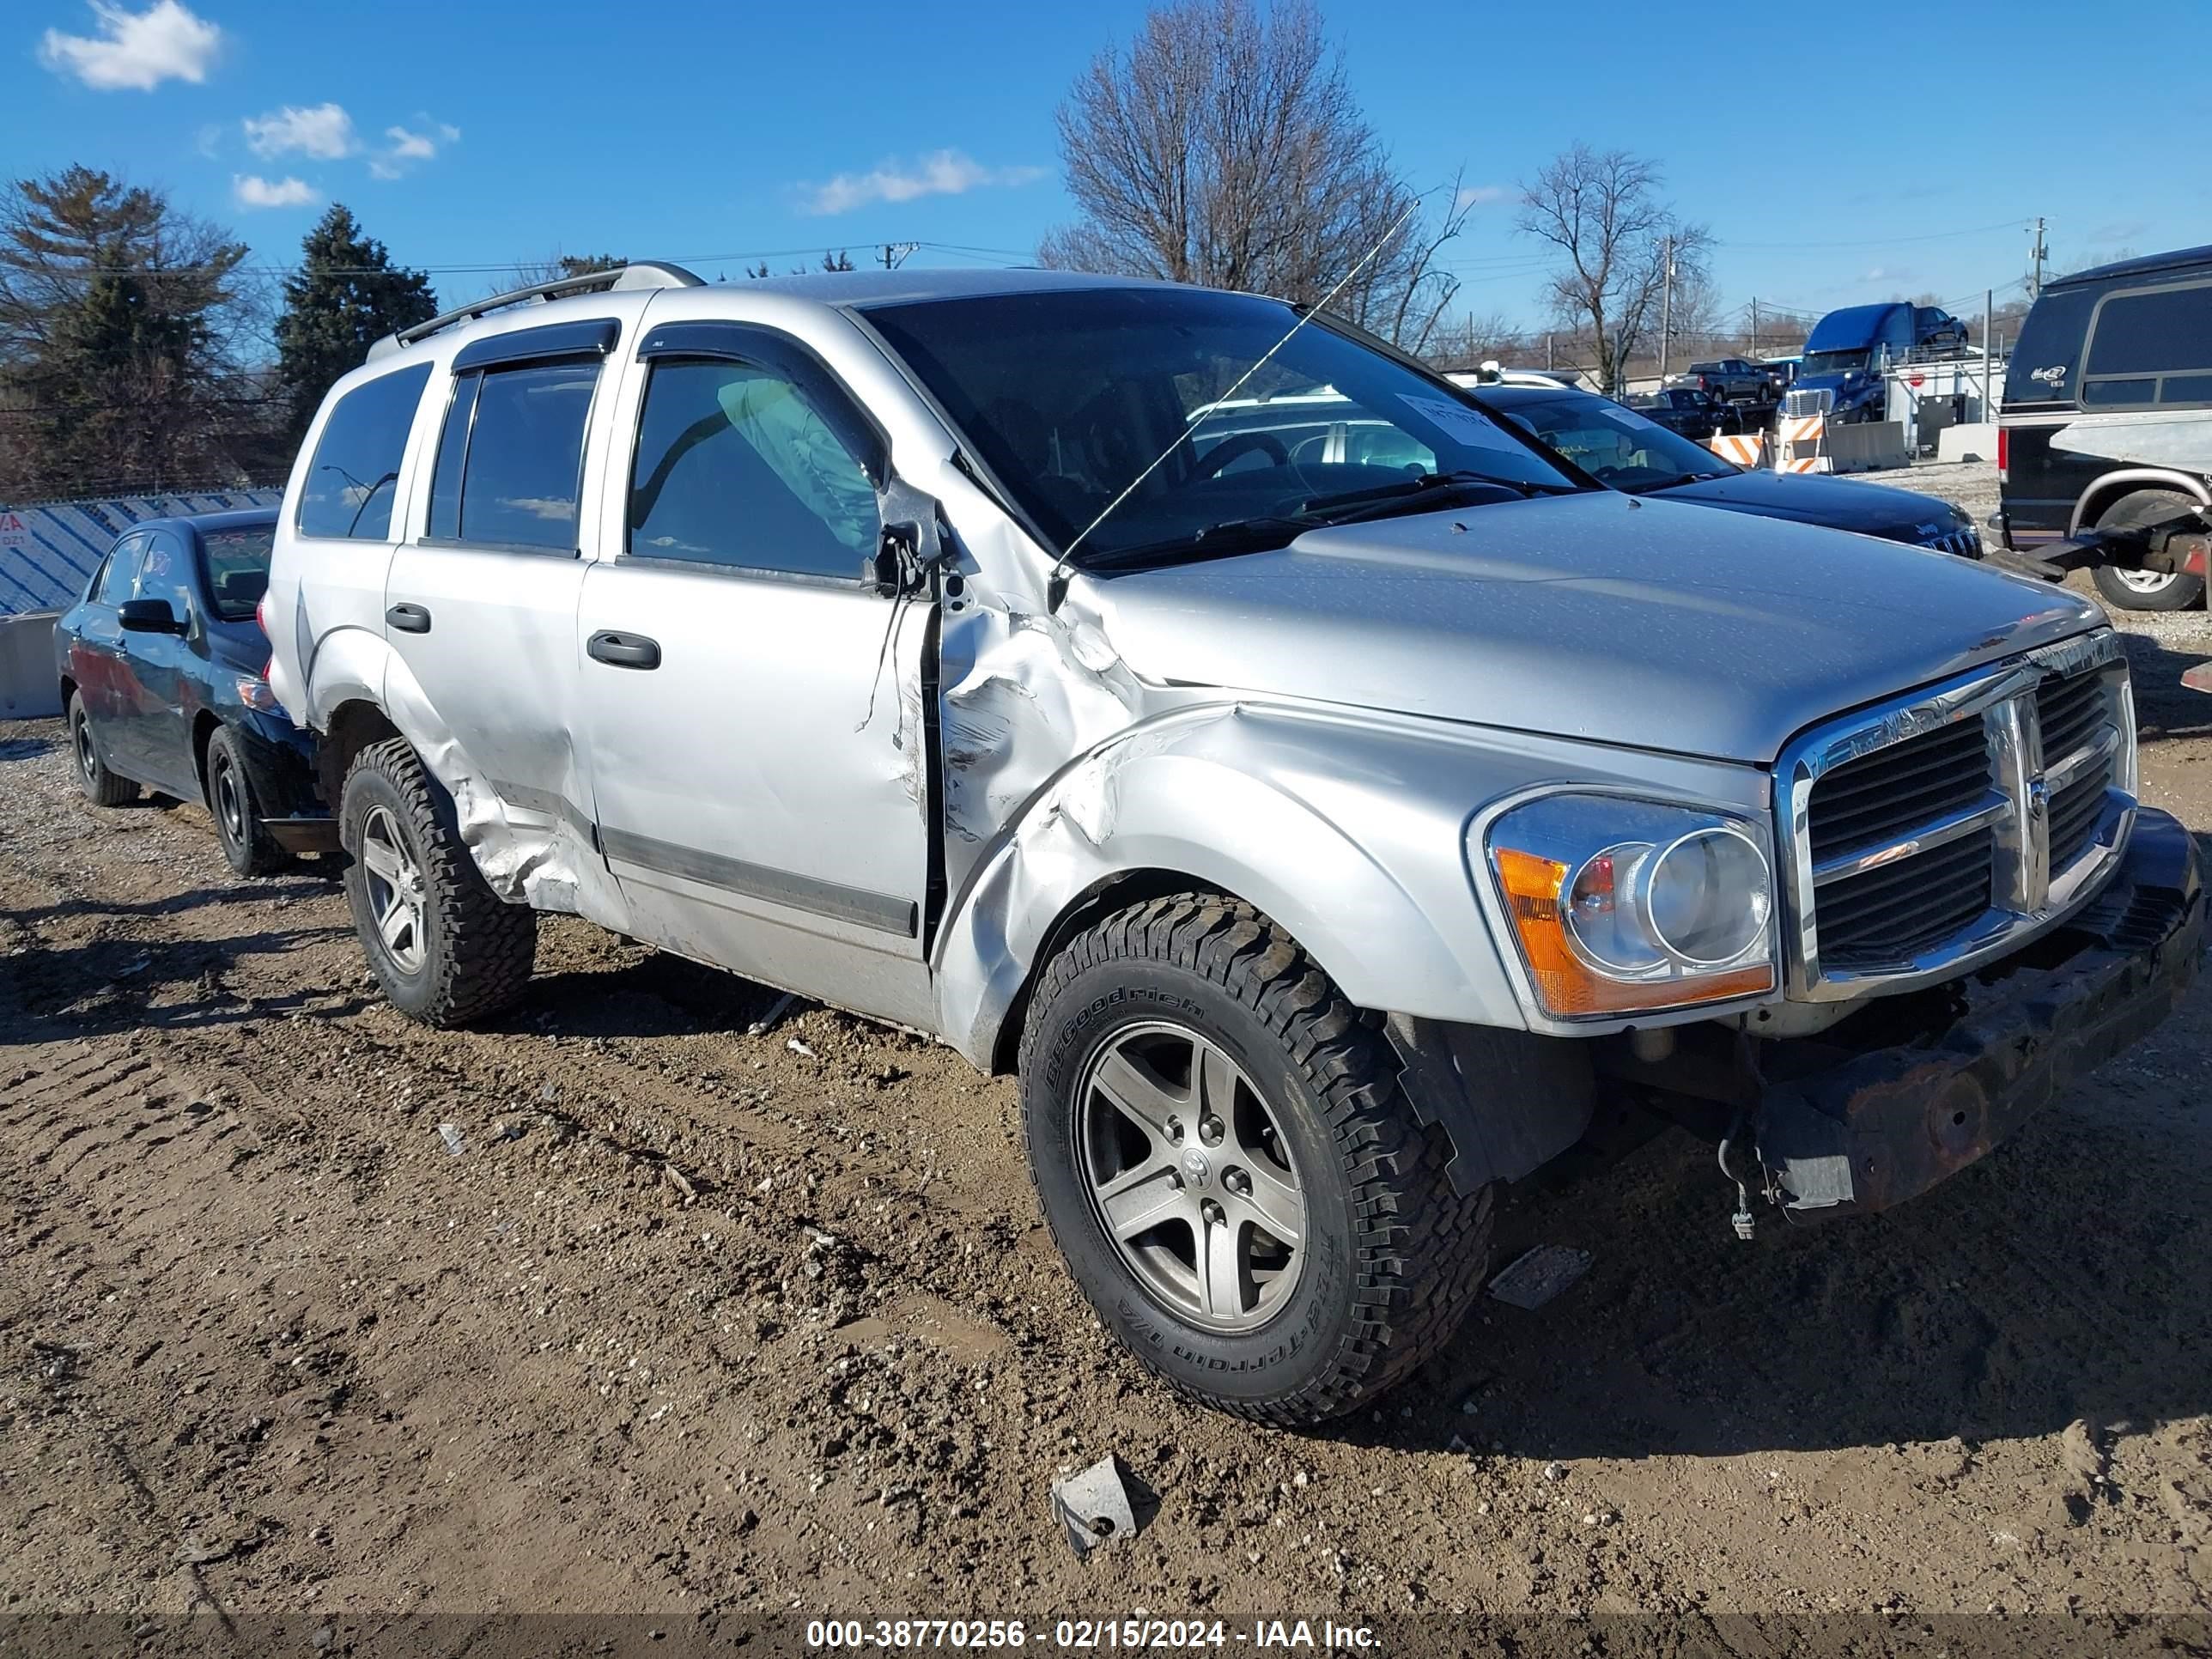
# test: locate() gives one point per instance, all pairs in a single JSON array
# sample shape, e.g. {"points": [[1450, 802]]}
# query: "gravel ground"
{"points": [[727, 1331]]}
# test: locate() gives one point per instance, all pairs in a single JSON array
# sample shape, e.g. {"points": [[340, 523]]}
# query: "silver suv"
{"points": [[1326, 800]]}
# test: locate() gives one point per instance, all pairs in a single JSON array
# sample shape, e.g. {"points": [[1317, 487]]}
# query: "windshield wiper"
{"points": [[1321, 508], [1216, 541], [1677, 481]]}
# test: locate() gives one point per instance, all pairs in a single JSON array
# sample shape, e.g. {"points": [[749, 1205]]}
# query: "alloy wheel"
{"points": [[2147, 581], [397, 894], [1191, 1176]]}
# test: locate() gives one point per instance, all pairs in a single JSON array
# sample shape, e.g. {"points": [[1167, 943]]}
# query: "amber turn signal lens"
{"points": [[1565, 984]]}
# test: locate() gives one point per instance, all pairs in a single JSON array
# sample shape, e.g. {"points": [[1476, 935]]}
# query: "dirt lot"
{"points": [[731, 1330]]}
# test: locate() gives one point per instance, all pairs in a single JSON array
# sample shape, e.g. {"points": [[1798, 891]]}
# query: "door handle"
{"points": [[624, 650], [408, 618]]}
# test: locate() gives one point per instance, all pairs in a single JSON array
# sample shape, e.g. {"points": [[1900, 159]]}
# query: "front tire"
{"points": [[1228, 1163], [102, 787], [2145, 590], [445, 947], [247, 847]]}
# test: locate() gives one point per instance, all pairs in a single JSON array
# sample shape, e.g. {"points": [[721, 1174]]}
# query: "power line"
{"points": [[494, 267], [1884, 241]]}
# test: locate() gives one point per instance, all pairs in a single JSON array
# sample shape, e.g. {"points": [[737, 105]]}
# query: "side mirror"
{"points": [[148, 617]]}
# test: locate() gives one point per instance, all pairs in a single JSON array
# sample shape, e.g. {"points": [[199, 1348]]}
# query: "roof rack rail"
{"points": [[640, 273]]}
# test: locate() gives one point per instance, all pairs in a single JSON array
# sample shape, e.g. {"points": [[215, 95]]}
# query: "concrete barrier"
{"points": [[1976, 441], [28, 686], [1865, 445]]}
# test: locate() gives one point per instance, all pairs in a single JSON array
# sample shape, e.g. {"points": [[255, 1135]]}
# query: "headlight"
{"points": [[1625, 906]]}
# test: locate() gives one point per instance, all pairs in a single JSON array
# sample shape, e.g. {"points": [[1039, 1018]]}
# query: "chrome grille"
{"points": [[1871, 801], [1965, 542], [1866, 920], [1946, 826]]}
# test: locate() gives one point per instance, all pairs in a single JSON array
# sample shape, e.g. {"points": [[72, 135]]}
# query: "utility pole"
{"points": [[2035, 279], [1989, 354], [1666, 303], [1754, 324], [895, 253]]}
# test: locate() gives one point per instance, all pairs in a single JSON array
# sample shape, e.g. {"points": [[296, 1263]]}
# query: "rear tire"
{"points": [[1318, 1132], [2142, 590], [102, 787], [445, 947], [247, 847]]}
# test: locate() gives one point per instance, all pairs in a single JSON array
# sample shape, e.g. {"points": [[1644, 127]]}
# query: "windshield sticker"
{"points": [[1456, 421]]}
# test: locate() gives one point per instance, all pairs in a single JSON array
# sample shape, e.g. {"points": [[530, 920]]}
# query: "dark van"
{"points": [[2108, 418]]}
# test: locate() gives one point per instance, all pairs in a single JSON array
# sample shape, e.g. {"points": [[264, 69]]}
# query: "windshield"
{"points": [[1615, 446], [236, 565], [1070, 394], [1833, 362]]}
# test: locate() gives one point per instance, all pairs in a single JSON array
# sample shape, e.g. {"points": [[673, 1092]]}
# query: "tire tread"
{"points": [[1421, 1249], [490, 947]]}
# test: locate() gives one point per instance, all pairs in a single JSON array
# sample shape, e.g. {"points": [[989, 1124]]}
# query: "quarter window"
{"points": [[2153, 346], [349, 483], [735, 466], [511, 457]]}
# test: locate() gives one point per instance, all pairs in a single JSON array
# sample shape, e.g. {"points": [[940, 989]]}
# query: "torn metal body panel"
{"points": [[1881, 1127]]}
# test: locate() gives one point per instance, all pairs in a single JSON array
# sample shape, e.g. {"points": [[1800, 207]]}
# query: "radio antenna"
{"points": [[1056, 585]]}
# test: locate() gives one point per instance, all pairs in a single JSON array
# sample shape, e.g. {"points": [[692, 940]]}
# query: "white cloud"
{"points": [[250, 190], [946, 172], [410, 146], [324, 131], [136, 49], [1480, 196]]}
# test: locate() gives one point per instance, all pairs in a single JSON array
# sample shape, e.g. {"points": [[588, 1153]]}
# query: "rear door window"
{"points": [[511, 457], [349, 483]]}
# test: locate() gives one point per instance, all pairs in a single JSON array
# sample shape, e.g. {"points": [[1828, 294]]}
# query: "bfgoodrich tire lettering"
{"points": [[463, 954], [1392, 1256]]}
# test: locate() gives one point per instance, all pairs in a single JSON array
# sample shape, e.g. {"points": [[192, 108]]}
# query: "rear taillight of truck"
{"points": [[2004, 454]]}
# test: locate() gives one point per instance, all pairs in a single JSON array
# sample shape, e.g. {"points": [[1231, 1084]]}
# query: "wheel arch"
{"points": [[1391, 918], [2111, 487], [353, 725], [204, 726]]}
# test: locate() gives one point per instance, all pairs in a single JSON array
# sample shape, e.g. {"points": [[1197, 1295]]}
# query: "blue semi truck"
{"points": [[1848, 349]]}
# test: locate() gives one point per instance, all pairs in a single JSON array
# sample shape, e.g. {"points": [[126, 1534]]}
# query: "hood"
{"points": [[1599, 616], [1856, 382], [1838, 503]]}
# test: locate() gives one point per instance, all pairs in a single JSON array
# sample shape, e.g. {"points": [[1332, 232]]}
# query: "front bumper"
{"points": [[1884, 1125], [280, 765]]}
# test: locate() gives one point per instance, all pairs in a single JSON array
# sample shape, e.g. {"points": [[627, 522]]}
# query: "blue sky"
{"points": [[466, 138]]}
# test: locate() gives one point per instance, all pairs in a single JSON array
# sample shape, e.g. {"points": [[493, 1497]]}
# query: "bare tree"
{"points": [[1471, 340], [1603, 212], [1224, 146]]}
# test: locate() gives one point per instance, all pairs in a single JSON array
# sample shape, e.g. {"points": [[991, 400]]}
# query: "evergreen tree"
{"points": [[118, 323], [346, 295]]}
